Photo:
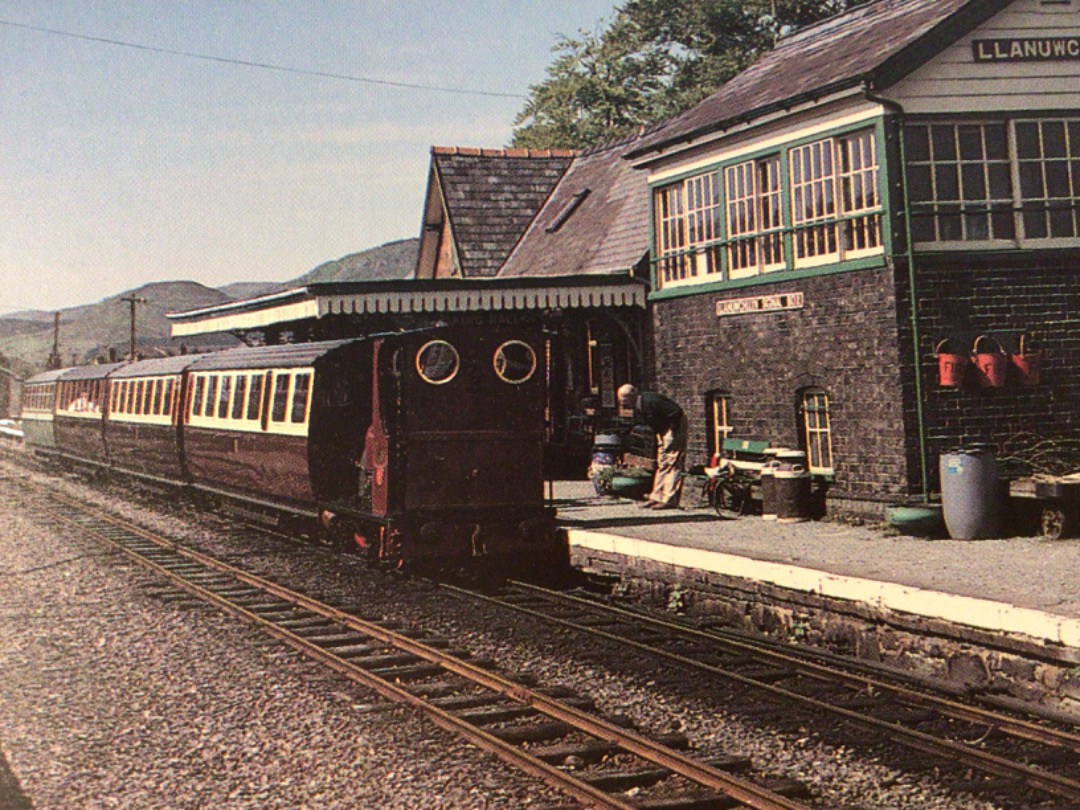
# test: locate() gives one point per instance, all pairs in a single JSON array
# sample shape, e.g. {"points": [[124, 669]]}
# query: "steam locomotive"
{"points": [[419, 446]]}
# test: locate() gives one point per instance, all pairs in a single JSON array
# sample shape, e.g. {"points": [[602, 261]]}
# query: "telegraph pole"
{"points": [[133, 300], [55, 361]]}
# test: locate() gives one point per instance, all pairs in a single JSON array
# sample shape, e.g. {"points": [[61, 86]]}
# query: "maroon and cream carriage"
{"points": [[79, 422], [142, 431]]}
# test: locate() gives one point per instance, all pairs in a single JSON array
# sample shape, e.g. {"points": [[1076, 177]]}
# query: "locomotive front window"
{"points": [[437, 362], [515, 362]]}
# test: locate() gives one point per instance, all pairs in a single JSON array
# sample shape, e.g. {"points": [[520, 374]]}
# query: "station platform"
{"points": [[1012, 598]]}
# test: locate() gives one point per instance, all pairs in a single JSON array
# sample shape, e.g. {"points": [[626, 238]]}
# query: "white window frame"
{"points": [[817, 430], [754, 206]]}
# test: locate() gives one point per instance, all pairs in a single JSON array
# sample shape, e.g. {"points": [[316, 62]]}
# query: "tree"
{"points": [[658, 58], [598, 88]]}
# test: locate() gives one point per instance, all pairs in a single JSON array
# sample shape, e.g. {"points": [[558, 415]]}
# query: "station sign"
{"points": [[778, 302], [1032, 49]]}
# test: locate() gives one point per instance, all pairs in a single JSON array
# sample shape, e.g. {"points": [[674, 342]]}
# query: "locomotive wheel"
{"points": [[1057, 522]]}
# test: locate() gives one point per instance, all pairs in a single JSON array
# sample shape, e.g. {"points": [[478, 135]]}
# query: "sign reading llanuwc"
{"points": [[759, 303], [1038, 49]]}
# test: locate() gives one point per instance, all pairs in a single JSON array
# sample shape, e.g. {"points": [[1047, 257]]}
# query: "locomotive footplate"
{"points": [[449, 534]]}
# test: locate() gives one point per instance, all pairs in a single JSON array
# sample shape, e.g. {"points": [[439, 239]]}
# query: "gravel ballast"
{"points": [[112, 698], [130, 701]]}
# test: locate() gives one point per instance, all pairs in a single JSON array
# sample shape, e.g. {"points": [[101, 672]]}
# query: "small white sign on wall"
{"points": [[776, 302]]}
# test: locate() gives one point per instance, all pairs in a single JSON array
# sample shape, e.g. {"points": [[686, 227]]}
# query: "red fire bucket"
{"points": [[991, 361], [951, 367], [1026, 364]]}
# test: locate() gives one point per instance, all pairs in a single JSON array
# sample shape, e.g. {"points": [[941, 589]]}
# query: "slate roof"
{"points": [[491, 195], [595, 222], [877, 43]]}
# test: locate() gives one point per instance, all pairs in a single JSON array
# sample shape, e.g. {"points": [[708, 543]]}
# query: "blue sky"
{"points": [[123, 165]]}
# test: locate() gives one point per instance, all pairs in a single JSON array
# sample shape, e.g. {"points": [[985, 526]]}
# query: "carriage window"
{"points": [[301, 393], [140, 390], [239, 397], [197, 397], [437, 362], [281, 397], [148, 397], [255, 397], [167, 407], [223, 398], [211, 396], [157, 397], [515, 362]]}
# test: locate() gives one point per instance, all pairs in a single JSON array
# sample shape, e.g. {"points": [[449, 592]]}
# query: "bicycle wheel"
{"points": [[728, 499]]}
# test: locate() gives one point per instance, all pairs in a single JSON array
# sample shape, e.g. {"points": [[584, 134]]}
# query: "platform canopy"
{"points": [[408, 296]]}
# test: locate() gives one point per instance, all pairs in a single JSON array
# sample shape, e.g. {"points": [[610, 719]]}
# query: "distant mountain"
{"points": [[96, 330], [242, 290], [392, 261]]}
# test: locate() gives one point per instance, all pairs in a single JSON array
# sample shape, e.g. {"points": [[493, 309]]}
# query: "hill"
{"points": [[392, 261], [96, 330]]}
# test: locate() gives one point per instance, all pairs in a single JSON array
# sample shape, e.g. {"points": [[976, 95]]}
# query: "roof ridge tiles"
{"points": [[468, 151]]}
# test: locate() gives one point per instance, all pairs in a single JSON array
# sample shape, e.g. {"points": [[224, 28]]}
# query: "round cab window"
{"points": [[437, 362], [515, 362]]}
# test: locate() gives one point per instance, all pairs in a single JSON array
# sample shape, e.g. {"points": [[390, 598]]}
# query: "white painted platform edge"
{"points": [[983, 614]]}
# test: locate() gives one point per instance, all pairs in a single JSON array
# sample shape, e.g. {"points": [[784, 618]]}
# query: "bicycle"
{"points": [[730, 491]]}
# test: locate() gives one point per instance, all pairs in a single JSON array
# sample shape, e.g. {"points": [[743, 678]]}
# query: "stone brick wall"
{"points": [[846, 340], [1001, 668]]}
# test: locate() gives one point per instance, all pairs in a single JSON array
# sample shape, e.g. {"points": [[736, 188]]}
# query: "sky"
{"points": [[140, 141]]}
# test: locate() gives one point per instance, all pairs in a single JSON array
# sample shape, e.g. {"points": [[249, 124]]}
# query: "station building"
{"points": [[866, 244]]}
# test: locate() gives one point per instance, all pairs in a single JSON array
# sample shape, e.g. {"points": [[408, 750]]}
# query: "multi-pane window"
{"points": [[829, 186], [687, 224], [817, 431], [671, 235], [703, 221], [835, 204], [959, 182], [1048, 165], [813, 200], [1002, 180], [754, 219], [716, 407], [859, 199]]}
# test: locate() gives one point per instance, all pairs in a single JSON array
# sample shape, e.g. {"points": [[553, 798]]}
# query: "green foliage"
{"points": [[658, 58]]}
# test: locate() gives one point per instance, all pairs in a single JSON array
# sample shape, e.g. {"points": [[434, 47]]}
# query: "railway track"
{"points": [[545, 732], [1013, 755]]}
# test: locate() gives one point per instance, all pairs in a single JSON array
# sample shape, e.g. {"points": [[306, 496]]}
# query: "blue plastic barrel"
{"points": [[971, 493]]}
